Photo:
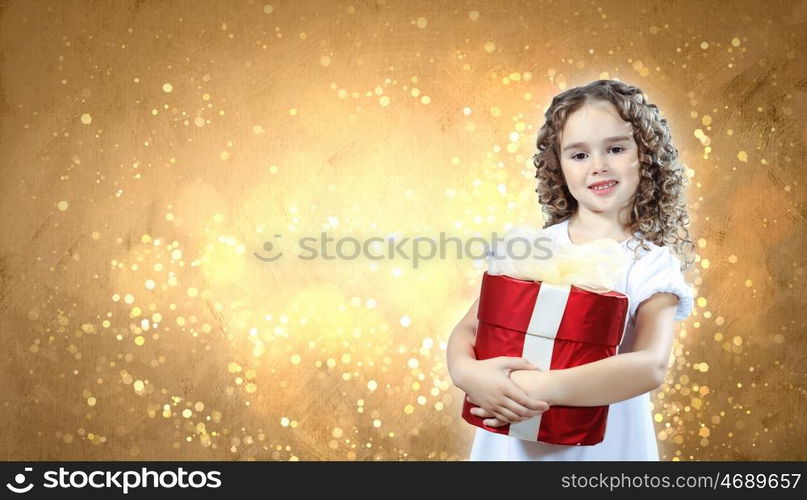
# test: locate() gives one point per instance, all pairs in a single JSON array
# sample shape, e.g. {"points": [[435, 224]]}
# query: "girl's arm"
{"points": [[460, 347], [616, 378], [494, 393]]}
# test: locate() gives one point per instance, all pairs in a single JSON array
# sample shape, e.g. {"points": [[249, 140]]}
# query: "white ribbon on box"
{"points": [[596, 266], [539, 343]]}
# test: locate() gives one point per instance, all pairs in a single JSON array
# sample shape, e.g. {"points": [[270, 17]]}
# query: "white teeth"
{"points": [[604, 186]]}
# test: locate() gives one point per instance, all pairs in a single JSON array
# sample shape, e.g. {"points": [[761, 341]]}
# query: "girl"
{"points": [[607, 168]]}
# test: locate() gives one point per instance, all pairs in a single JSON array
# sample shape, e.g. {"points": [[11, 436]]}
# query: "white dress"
{"points": [[629, 432]]}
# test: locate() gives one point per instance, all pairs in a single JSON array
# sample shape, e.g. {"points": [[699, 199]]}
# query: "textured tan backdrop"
{"points": [[149, 149]]}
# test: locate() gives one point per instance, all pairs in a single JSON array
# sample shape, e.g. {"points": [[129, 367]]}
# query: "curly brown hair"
{"points": [[659, 211]]}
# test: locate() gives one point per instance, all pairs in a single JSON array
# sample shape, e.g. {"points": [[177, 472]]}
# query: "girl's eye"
{"points": [[574, 156]]}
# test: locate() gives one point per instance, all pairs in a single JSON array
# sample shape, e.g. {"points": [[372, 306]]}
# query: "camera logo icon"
{"points": [[19, 479]]}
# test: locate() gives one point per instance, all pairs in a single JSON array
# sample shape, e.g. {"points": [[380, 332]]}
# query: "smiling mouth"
{"points": [[602, 187]]}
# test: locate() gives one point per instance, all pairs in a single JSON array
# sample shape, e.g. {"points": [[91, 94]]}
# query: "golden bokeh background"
{"points": [[151, 149]]}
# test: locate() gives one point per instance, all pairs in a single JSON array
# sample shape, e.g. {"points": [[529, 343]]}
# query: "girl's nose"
{"points": [[599, 165]]}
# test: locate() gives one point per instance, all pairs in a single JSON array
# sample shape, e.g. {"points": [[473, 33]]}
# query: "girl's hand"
{"points": [[535, 380], [535, 383], [490, 419], [488, 385]]}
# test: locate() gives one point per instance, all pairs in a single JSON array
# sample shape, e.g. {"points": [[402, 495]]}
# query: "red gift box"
{"points": [[554, 327]]}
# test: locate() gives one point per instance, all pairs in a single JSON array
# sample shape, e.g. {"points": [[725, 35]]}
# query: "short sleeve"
{"points": [[662, 274]]}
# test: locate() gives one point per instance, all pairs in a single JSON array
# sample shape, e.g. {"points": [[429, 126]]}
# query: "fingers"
{"points": [[530, 404], [504, 416], [506, 421], [520, 397], [491, 417], [519, 410], [494, 422], [497, 410], [515, 405], [522, 403], [529, 365], [515, 363], [481, 412]]}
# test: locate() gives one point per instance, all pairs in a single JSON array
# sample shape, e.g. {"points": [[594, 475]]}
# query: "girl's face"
{"points": [[599, 158]]}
